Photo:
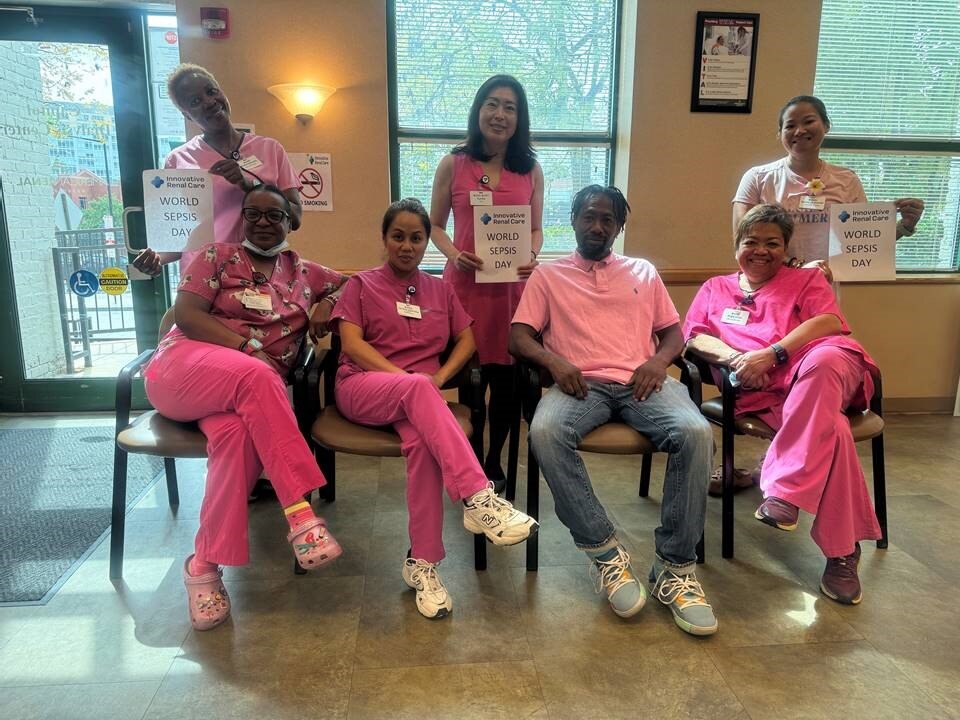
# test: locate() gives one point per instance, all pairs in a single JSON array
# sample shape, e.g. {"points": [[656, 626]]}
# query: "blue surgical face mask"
{"points": [[269, 252]]}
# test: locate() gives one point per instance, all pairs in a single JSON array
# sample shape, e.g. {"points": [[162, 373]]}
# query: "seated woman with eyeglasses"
{"points": [[241, 313]]}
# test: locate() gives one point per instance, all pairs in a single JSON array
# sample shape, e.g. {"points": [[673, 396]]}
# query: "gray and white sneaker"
{"points": [[433, 601], [496, 518], [614, 576], [679, 589]]}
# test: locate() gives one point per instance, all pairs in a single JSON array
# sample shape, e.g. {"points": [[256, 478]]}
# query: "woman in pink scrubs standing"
{"points": [[495, 165], [239, 161], [782, 331], [242, 312], [394, 322]]}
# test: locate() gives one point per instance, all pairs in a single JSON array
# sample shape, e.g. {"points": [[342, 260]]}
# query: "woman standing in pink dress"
{"points": [[495, 165]]}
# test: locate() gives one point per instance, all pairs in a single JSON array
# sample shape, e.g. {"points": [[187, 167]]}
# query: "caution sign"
{"points": [[113, 281], [316, 180]]}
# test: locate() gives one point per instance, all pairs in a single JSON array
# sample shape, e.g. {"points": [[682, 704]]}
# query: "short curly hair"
{"points": [[772, 214], [179, 73]]}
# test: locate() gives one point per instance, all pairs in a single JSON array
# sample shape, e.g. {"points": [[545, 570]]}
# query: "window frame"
{"points": [[434, 260]]}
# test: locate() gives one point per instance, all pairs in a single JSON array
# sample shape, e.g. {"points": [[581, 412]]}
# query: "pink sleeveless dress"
{"points": [[491, 305]]}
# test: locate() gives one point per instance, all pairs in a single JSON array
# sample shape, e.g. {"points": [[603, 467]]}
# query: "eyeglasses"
{"points": [[274, 215]]}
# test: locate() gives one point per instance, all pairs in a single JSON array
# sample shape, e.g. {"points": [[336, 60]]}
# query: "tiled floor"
{"points": [[347, 641]]}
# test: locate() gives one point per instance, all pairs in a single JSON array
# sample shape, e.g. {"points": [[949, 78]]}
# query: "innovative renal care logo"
{"points": [[844, 216], [485, 219], [157, 181]]}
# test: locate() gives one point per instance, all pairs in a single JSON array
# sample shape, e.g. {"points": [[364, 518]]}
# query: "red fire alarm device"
{"points": [[215, 22]]}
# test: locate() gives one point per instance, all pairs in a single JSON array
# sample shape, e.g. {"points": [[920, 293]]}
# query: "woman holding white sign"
{"points": [[806, 185], [238, 161], [495, 166]]}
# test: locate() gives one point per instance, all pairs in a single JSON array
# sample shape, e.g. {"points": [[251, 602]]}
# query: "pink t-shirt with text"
{"points": [[777, 183], [275, 169], [599, 315]]}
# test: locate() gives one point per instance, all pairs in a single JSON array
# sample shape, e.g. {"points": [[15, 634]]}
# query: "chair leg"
{"points": [[327, 460], [726, 512], [480, 552], [645, 466], [880, 489], [118, 513], [173, 492], [513, 454], [701, 553], [533, 508]]}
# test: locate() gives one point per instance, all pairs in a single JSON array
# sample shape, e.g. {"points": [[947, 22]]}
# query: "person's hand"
{"points": [[648, 378], [523, 272], [148, 262], [319, 320], [910, 211], [434, 378], [231, 172], [823, 267], [468, 261], [568, 378], [753, 367]]}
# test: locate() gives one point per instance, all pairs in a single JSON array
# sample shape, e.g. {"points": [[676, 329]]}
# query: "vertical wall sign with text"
{"points": [[724, 62]]}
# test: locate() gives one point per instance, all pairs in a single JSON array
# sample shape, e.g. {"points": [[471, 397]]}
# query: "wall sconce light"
{"points": [[303, 100]]}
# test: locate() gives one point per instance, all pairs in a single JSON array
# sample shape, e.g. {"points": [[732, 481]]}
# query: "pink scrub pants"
{"points": [[438, 453], [812, 461], [241, 406]]}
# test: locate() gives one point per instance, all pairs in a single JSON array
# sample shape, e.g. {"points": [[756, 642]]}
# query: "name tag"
{"points": [[409, 311], [481, 197], [250, 163], [256, 301], [735, 316], [812, 202]]}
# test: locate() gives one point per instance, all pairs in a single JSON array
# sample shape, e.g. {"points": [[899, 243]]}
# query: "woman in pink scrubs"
{"points": [[242, 312], [495, 165], [394, 322], [782, 331], [239, 161]]}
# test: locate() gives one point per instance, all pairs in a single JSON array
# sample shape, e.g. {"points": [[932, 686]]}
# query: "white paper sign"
{"points": [[316, 180], [178, 205], [863, 240], [501, 235]]}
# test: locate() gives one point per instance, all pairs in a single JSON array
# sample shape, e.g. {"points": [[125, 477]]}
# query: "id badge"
{"points": [[481, 197], [251, 162], [408, 311], [256, 301], [812, 202], [735, 316]]}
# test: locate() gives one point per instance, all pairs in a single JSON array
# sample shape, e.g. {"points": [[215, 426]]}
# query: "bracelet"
{"points": [[243, 345], [780, 352], [330, 299], [533, 254]]}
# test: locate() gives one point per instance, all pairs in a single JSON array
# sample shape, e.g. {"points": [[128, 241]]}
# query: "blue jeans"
{"points": [[672, 423]]}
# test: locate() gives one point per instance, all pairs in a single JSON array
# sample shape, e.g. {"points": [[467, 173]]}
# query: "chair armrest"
{"points": [[690, 376], [125, 387]]}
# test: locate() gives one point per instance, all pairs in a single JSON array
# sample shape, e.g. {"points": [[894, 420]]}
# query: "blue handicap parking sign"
{"points": [[84, 283]]}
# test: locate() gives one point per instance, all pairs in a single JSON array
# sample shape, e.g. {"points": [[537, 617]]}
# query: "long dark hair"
{"points": [[520, 157]]}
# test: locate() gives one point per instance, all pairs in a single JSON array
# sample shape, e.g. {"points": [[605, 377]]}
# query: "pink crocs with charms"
{"points": [[313, 545], [207, 598]]}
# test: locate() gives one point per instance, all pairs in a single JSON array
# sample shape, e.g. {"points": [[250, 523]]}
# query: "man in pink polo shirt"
{"points": [[605, 328]]}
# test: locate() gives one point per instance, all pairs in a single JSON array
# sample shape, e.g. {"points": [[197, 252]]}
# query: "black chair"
{"points": [[866, 425], [612, 438], [153, 434], [333, 433]]}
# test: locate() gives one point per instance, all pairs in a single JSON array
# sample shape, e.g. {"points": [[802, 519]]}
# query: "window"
{"points": [[562, 51], [889, 75]]}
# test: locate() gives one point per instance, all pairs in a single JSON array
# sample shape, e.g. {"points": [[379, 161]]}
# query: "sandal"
{"points": [[742, 480], [207, 598], [313, 545]]}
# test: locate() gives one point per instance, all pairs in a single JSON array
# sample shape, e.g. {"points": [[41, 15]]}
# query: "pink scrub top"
{"points": [[777, 183], [276, 169], [491, 305], [220, 273], [370, 301], [600, 315], [791, 297]]}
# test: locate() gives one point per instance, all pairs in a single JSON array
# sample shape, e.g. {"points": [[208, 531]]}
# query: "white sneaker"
{"points": [[496, 518], [433, 601]]}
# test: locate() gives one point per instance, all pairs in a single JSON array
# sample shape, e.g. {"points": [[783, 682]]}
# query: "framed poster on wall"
{"points": [[724, 62]]}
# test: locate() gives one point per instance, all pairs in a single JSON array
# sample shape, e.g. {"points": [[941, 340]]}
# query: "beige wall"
{"points": [[679, 169]]}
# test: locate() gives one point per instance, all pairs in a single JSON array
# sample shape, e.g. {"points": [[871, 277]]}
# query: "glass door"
{"points": [[75, 135]]}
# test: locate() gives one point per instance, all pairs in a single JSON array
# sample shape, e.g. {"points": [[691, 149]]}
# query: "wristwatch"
{"points": [[250, 346], [780, 352]]}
